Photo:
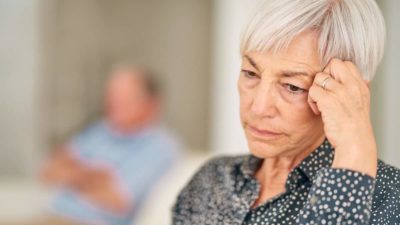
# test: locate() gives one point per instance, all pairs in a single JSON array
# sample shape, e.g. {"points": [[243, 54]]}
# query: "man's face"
{"points": [[273, 88], [128, 104]]}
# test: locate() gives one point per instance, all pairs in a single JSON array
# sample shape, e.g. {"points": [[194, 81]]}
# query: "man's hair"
{"points": [[151, 82], [148, 76]]}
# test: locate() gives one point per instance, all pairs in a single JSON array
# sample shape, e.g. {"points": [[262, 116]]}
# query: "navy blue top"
{"points": [[224, 190]]}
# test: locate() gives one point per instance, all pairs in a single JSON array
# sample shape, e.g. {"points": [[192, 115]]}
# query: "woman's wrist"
{"points": [[362, 158]]}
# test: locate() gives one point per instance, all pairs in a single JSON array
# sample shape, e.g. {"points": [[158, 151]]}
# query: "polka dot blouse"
{"points": [[224, 189]]}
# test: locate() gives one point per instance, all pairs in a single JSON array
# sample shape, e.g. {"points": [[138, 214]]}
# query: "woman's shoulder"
{"points": [[388, 175], [387, 188], [226, 162], [212, 182], [216, 173], [220, 167]]}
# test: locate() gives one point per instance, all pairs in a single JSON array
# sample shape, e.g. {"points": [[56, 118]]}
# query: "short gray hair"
{"points": [[352, 30]]}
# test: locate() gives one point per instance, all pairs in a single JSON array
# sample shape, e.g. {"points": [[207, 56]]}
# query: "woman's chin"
{"points": [[264, 150]]}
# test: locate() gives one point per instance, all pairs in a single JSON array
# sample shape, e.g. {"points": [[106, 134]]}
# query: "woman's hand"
{"points": [[344, 105]]}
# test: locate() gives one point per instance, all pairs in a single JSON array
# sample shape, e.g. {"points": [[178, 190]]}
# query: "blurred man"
{"points": [[103, 173]]}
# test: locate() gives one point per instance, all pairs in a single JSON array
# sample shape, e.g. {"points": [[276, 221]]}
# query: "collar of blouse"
{"points": [[306, 171]]}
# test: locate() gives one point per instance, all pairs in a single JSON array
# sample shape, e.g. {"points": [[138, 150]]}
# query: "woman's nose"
{"points": [[264, 101]]}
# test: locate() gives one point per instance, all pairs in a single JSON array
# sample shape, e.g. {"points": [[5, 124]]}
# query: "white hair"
{"points": [[352, 30]]}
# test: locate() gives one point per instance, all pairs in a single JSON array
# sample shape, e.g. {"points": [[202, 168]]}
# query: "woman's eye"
{"points": [[294, 89], [249, 74]]}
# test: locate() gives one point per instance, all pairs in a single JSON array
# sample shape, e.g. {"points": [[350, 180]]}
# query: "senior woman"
{"points": [[304, 104]]}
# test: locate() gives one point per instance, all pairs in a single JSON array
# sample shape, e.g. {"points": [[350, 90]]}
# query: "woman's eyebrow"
{"points": [[252, 62], [293, 73]]}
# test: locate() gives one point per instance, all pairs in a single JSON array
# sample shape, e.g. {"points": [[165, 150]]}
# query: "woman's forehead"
{"points": [[301, 52]]}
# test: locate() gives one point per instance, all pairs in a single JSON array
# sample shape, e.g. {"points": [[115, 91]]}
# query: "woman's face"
{"points": [[274, 111]]}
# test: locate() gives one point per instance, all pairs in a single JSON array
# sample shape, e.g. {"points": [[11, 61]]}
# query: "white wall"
{"points": [[390, 91], [226, 133], [19, 89]]}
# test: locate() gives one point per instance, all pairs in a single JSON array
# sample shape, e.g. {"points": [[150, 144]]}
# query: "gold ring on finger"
{"points": [[324, 82]]}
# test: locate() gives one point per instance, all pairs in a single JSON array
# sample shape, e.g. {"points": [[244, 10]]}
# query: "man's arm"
{"points": [[96, 184], [103, 188], [61, 169]]}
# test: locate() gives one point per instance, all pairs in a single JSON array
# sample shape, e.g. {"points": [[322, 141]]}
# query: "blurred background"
{"points": [[55, 57]]}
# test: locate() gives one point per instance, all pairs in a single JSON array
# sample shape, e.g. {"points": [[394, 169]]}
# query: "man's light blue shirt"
{"points": [[136, 160]]}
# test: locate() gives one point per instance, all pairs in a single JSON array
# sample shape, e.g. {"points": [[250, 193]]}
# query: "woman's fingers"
{"points": [[353, 70], [323, 84], [349, 76], [356, 73], [340, 82], [340, 71], [317, 97], [313, 106], [326, 81]]}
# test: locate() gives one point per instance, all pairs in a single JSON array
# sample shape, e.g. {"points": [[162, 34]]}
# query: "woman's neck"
{"points": [[273, 172]]}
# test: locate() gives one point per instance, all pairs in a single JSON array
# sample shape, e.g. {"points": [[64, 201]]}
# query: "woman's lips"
{"points": [[263, 133]]}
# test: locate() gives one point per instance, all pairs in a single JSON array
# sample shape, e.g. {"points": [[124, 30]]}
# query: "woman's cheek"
{"points": [[245, 100], [297, 106], [245, 92], [299, 99]]}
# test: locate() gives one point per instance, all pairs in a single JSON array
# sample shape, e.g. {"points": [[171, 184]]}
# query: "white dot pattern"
{"points": [[224, 189]]}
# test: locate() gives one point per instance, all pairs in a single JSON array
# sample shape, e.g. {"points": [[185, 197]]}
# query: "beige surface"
{"points": [[157, 209], [44, 221], [22, 200]]}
